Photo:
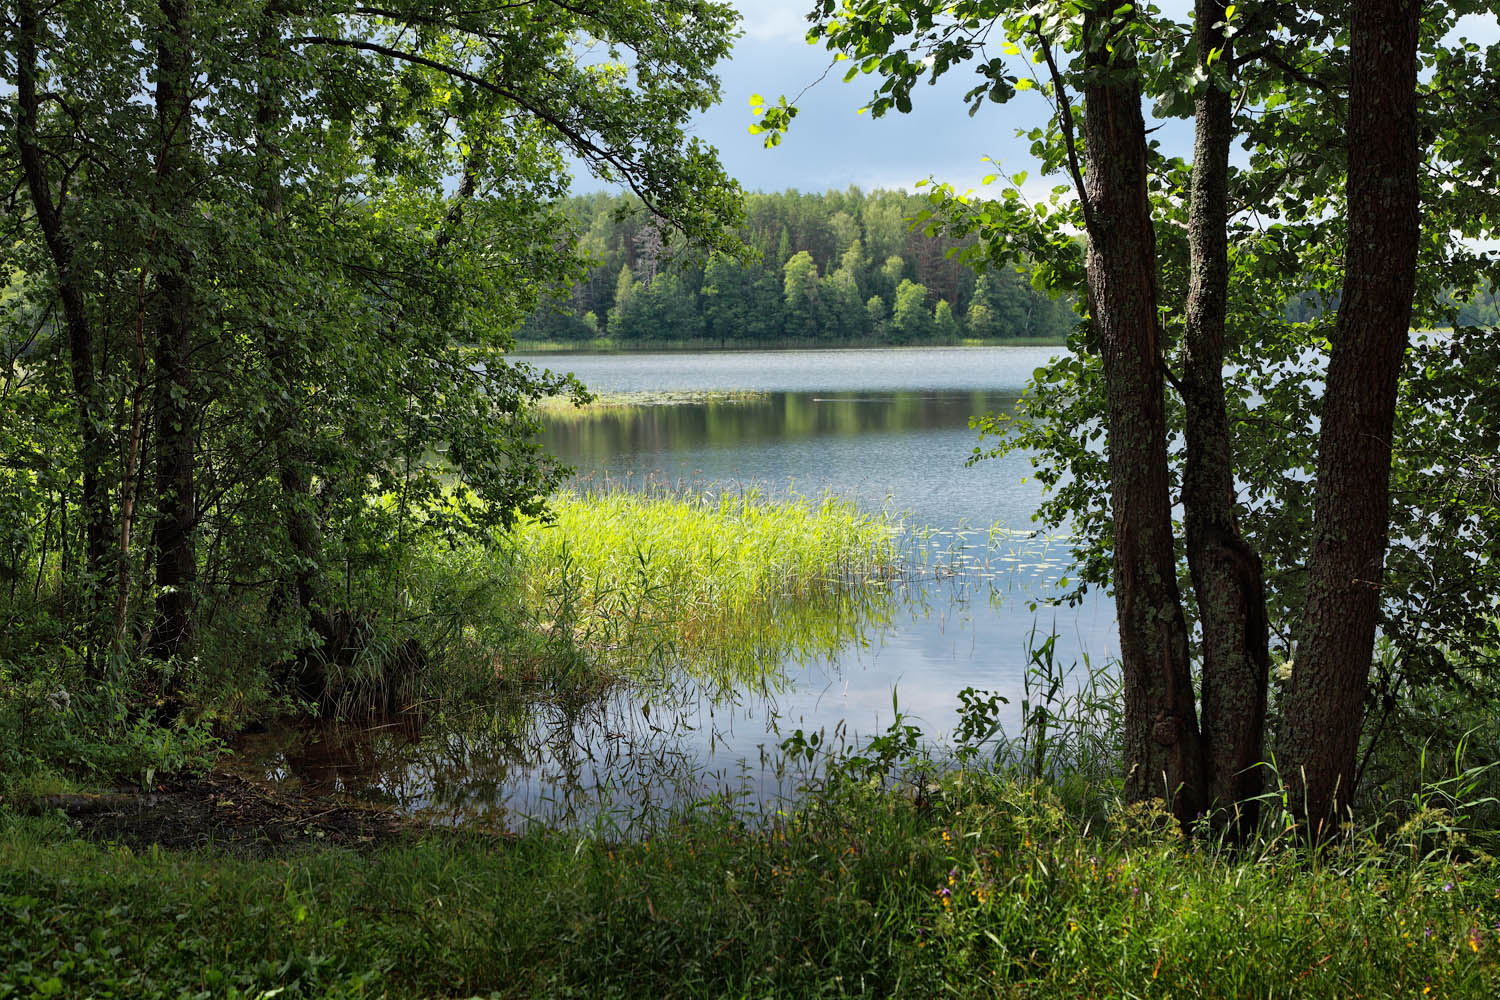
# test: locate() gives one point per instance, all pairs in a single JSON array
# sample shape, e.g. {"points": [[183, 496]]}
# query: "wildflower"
{"points": [[947, 839]]}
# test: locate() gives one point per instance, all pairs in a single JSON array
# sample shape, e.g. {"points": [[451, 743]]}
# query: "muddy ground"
{"points": [[229, 813]]}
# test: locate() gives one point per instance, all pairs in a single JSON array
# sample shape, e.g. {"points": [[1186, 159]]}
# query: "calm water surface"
{"points": [[888, 429]]}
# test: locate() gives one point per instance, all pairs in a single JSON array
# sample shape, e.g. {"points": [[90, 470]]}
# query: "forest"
{"points": [[838, 268]]}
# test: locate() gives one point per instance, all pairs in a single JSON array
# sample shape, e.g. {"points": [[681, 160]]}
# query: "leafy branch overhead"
{"points": [[267, 257]]}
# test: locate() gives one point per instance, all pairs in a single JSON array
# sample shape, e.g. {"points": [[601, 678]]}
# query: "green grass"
{"points": [[556, 408], [714, 578], [640, 587], [986, 887]]}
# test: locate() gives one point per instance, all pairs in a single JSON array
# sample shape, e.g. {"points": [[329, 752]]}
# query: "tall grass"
{"points": [[983, 886], [646, 585], [700, 576]]}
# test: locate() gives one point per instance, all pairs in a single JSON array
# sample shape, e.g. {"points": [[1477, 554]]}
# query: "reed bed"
{"points": [[650, 584], [700, 572], [557, 409]]}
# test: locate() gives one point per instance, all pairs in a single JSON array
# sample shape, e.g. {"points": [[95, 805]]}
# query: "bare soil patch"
{"points": [[230, 813]]}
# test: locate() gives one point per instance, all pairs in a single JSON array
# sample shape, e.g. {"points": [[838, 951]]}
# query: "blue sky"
{"points": [[831, 145]]}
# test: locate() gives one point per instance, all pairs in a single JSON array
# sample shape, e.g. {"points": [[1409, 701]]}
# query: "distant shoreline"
{"points": [[606, 345]]}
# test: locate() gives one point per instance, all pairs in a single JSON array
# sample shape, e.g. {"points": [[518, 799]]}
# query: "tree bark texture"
{"points": [[176, 502], [92, 417], [1228, 581], [1325, 702], [1162, 751]]}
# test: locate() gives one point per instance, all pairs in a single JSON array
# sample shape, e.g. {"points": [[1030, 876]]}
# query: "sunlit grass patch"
{"points": [[707, 575], [637, 586], [984, 887], [561, 408]]}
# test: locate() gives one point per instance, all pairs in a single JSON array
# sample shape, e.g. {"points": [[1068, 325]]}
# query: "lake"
{"points": [[888, 429]]}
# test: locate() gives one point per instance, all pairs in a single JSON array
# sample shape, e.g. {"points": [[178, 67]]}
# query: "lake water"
{"points": [[888, 429]]}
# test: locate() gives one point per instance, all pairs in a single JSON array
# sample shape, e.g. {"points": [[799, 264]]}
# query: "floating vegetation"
{"points": [[555, 408]]}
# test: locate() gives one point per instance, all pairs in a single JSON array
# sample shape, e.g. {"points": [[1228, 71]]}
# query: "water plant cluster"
{"points": [[613, 588]]}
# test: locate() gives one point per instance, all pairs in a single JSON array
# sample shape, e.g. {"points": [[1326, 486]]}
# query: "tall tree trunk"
{"points": [[1162, 750], [1325, 702], [303, 533], [1227, 576], [92, 445], [176, 503]]}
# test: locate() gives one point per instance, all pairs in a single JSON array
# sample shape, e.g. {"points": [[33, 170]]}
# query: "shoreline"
{"points": [[605, 345]]}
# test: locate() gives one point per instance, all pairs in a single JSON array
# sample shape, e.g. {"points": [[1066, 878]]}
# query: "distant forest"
{"points": [[839, 268]]}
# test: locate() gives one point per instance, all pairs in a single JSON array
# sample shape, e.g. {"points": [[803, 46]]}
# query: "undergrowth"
{"points": [[981, 885]]}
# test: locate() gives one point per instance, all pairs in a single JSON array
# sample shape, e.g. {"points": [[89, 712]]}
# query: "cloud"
{"points": [[775, 20]]}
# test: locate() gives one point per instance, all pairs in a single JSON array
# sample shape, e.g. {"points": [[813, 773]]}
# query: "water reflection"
{"points": [[600, 437], [887, 430], [706, 726]]}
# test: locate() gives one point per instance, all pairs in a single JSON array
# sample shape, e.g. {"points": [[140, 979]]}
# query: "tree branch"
{"points": [[1065, 122], [589, 150]]}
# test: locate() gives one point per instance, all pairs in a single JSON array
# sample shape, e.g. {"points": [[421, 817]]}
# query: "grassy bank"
{"points": [[982, 887], [609, 345]]}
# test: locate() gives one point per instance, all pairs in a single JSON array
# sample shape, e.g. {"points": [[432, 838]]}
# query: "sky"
{"points": [[832, 146]]}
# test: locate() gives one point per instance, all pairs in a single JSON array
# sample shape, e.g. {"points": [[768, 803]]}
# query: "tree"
{"points": [[910, 321], [980, 321], [944, 323], [1126, 197], [875, 315], [1329, 685], [304, 209], [892, 273], [801, 296], [728, 305], [625, 290], [841, 314]]}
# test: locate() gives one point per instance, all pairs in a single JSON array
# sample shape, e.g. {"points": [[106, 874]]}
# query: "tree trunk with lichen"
{"points": [[1325, 700], [1163, 756], [1228, 580]]}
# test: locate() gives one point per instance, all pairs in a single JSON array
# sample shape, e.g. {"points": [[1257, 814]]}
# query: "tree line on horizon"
{"points": [[837, 267]]}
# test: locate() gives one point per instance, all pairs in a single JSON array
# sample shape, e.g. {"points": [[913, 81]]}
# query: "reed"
{"points": [[649, 584], [702, 574]]}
